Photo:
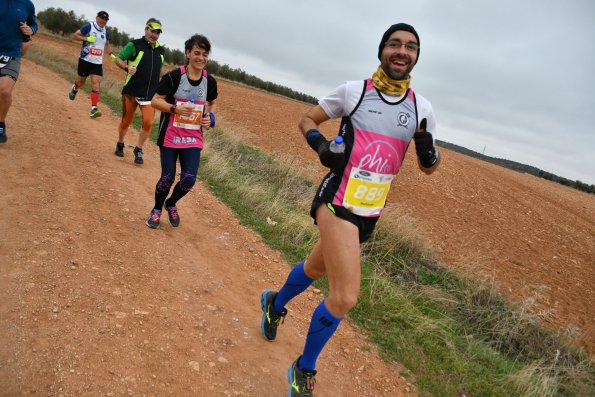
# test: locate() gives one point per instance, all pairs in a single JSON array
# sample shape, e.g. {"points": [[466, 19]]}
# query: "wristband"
{"points": [[126, 69], [172, 109], [212, 116], [314, 139]]}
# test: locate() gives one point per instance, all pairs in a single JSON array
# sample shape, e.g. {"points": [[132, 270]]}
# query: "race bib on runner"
{"points": [[143, 101], [95, 51], [366, 192], [4, 59], [191, 122]]}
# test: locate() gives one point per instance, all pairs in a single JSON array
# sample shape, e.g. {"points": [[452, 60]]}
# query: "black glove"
{"points": [[424, 146], [321, 146]]}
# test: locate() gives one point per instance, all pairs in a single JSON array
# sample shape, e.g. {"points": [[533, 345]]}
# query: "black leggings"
{"points": [[189, 161]]}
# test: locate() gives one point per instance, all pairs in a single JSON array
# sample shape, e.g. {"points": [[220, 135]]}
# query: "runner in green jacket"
{"points": [[142, 59]]}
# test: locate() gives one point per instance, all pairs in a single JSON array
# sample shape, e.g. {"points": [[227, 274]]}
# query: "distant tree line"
{"points": [[513, 165], [65, 23], [242, 77], [567, 182], [175, 57]]}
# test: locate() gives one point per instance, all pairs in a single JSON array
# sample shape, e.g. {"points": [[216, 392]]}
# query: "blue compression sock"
{"points": [[322, 327], [296, 283]]}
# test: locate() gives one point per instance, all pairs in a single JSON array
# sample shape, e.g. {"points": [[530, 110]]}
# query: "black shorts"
{"points": [[86, 68], [10, 66], [365, 225]]}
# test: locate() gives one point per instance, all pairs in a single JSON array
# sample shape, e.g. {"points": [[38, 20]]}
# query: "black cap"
{"points": [[103, 15], [393, 29]]}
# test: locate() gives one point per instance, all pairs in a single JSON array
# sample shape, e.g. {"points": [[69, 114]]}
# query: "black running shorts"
{"points": [[365, 225], [87, 68]]}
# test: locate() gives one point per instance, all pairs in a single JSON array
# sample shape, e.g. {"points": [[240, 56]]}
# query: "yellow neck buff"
{"points": [[389, 86]]}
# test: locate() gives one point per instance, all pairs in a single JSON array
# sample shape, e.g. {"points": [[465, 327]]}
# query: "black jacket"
{"points": [[148, 62]]}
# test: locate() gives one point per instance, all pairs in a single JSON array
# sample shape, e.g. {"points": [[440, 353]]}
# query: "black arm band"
{"points": [[315, 139]]}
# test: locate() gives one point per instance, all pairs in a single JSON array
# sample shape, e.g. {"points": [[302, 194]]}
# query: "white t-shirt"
{"points": [[343, 99], [93, 52]]}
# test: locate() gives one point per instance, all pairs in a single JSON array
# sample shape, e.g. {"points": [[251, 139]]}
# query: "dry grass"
{"points": [[535, 380]]}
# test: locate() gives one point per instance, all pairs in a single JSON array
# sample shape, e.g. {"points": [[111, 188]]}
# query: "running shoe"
{"points": [[270, 318], [153, 219], [3, 136], [119, 149], [301, 381], [138, 155], [95, 112], [72, 93], [172, 215]]}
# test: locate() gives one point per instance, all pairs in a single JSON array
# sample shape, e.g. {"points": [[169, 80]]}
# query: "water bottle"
{"points": [[191, 117], [191, 102], [337, 145]]}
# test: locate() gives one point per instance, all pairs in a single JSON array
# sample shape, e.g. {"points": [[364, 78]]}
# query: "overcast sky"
{"points": [[508, 78]]}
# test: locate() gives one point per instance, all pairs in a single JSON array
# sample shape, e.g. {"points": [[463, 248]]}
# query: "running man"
{"points": [[95, 38], [142, 59], [17, 21], [186, 98], [380, 116]]}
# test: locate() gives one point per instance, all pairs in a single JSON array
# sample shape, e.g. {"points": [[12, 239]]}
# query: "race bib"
{"points": [[4, 59], [143, 101], [191, 122], [366, 192], [95, 51]]}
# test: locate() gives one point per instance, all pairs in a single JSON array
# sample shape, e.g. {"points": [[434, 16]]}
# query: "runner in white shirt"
{"points": [[380, 116], [95, 38]]}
